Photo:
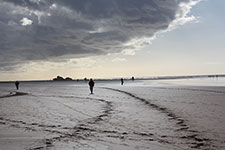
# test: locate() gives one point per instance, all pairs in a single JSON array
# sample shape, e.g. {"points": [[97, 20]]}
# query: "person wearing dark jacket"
{"points": [[91, 85], [17, 85], [121, 81]]}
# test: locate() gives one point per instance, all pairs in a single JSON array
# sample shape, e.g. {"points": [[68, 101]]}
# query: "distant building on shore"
{"points": [[59, 78]]}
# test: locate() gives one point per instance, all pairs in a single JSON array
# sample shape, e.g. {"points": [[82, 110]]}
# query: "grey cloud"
{"points": [[77, 28]]}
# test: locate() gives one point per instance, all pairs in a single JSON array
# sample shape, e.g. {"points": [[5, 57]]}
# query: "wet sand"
{"points": [[133, 116]]}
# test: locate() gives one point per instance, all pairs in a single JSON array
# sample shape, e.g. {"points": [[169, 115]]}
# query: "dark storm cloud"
{"points": [[33, 30]]}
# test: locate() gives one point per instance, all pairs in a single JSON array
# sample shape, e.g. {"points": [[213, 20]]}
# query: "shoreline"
{"points": [[128, 78]]}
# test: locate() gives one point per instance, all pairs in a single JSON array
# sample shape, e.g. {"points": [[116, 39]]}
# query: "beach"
{"points": [[142, 114]]}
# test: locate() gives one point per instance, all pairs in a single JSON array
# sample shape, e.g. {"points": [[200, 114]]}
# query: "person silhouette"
{"points": [[91, 85], [122, 81], [17, 85]]}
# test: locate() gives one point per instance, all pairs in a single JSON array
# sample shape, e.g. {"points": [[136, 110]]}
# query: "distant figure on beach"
{"points": [[132, 78], [17, 85], [91, 85], [122, 81]]}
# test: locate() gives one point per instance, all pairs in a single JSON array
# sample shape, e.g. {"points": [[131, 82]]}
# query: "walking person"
{"points": [[17, 85], [122, 81], [91, 85]]}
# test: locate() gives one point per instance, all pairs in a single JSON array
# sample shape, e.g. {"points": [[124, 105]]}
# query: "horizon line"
{"points": [[129, 78]]}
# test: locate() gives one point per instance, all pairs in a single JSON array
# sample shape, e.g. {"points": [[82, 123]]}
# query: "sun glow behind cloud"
{"points": [[26, 22]]}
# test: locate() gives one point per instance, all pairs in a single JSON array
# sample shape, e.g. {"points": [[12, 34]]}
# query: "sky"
{"points": [[41, 39]]}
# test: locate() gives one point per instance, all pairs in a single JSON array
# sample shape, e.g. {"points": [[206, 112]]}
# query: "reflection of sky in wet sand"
{"points": [[198, 81], [181, 82]]}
